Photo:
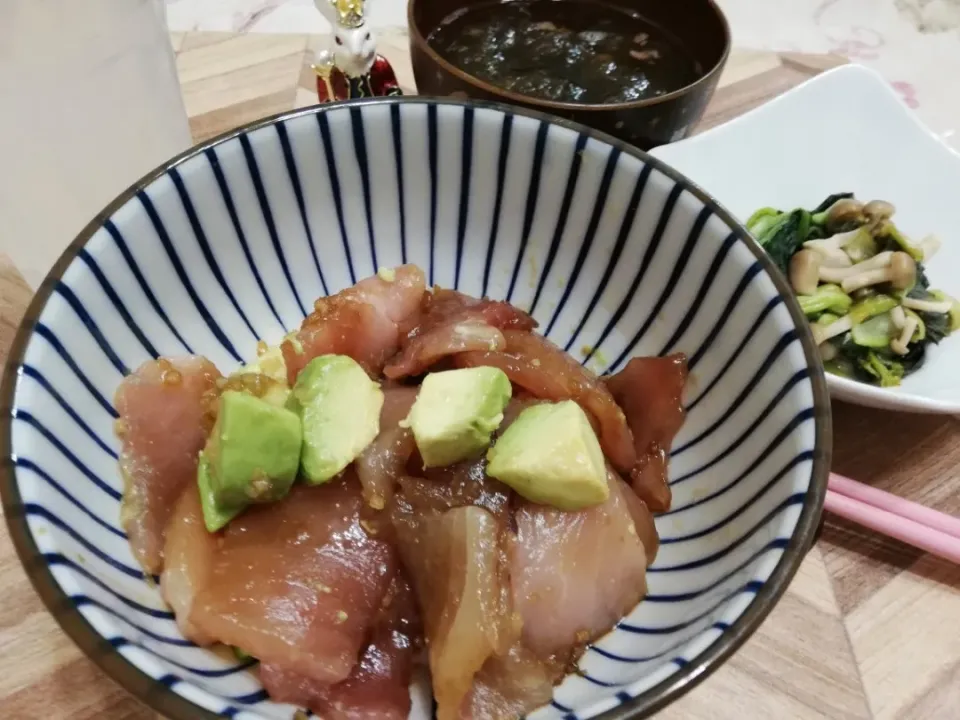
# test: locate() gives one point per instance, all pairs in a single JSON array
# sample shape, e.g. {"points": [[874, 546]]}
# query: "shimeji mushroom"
{"points": [[928, 306], [832, 248], [901, 273], [823, 331], [838, 275], [844, 211], [805, 272], [898, 317], [899, 344], [877, 210]]}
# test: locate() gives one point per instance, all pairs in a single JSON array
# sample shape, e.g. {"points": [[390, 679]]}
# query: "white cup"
{"points": [[89, 102]]}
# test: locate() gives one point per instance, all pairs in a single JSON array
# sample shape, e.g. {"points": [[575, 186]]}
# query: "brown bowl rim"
{"points": [[160, 696], [706, 78]]}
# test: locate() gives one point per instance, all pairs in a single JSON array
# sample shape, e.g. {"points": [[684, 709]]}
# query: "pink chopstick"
{"points": [[896, 505], [914, 524]]}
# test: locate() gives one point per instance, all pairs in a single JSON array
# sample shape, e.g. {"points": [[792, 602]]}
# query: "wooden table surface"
{"points": [[870, 628]]}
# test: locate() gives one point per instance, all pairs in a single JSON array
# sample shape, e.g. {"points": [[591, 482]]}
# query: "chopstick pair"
{"points": [[914, 524]]}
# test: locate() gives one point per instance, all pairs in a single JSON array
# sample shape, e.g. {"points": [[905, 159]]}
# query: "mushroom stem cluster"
{"points": [[928, 306], [807, 270]]}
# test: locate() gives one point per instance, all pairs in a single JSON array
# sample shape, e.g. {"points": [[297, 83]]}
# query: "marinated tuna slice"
{"points": [[361, 321], [379, 686], [384, 461], [166, 409], [450, 322], [424, 351], [457, 567], [642, 520], [465, 483], [511, 685], [544, 370], [575, 574], [650, 391], [188, 559], [649, 479], [442, 306], [298, 583]]}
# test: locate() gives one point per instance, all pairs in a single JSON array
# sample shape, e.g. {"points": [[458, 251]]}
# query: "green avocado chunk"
{"points": [[551, 455], [253, 452], [339, 406], [214, 517], [456, 411]]}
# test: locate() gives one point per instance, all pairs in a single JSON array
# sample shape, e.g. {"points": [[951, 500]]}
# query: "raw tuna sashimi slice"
{"points": [[650, 391], [378, 688], [511, 685], [451, 322], [166, 409], [188, 559], [575, 574], [384, 461], [457, 565], [361, 322], [298, 583]]}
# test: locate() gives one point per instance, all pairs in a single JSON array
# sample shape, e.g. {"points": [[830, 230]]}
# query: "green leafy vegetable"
{"points": [[827, 297], [892, 239], [842, 366], [830, 201], [937, 326], [884, 369], [762, 220], [921, 332], [786, 237], [874, 333], [868, 307]]}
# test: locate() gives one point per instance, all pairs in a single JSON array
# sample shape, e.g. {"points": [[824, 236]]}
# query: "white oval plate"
{"points": [[844, 131]]}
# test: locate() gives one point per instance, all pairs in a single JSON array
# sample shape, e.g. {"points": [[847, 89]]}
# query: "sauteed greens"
{"points": [[861, 283]]}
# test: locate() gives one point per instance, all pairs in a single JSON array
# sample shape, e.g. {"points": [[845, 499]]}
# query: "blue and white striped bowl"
{"points": [[610, 249]]}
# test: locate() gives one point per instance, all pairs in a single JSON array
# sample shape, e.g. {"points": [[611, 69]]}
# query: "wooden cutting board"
{"points": [[869, 628]]}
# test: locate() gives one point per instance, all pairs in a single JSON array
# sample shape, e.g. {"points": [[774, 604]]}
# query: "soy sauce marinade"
{"points": [[566, 51]]}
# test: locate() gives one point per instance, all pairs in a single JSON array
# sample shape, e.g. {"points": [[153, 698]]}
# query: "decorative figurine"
{"points": [[353, 69]]}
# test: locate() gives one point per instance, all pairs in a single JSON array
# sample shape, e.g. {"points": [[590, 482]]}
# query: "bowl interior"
{"points": [[614, 254], [698, 25]]}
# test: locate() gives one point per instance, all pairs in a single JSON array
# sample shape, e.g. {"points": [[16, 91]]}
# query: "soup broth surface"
{"points": [[565, 51]]}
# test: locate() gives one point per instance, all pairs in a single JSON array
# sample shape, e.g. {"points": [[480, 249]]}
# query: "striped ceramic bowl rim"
{"points": [[224, 245]]}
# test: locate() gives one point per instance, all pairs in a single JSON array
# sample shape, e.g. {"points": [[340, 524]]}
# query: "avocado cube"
{"points": [[214, 517], [253, 452], [456, 412], [550, 455], [339, 408]]}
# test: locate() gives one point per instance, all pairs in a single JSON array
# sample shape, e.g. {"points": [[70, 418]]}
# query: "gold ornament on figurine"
{"points": [[349, 12]]}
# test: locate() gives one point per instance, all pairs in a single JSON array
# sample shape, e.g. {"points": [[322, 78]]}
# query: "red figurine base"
{"points": [[333, 84]]}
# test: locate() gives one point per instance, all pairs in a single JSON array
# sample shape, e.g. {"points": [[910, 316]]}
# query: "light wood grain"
{"points": [[868, 629]]}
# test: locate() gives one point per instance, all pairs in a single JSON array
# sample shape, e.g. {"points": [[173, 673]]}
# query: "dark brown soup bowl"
{"points": [[699, 25]]}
